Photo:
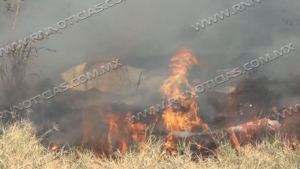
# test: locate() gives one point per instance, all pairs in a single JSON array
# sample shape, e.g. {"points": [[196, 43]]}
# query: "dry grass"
{"points": [[19, 146]]}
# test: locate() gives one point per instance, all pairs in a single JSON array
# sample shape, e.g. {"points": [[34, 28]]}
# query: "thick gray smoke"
{"points": [[146, 34]]}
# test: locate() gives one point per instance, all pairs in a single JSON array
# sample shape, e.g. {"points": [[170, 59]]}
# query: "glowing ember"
{"points": [[55, 148]]}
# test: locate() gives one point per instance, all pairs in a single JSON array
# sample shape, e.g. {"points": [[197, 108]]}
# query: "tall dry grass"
{"points": [[19, 146]]}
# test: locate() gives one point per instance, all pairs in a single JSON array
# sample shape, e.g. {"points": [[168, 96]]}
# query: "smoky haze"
{"points": [[146, 34], [153, 30]]}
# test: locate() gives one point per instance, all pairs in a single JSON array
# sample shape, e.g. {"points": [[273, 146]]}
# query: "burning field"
{"points": [[94, 131], [246, 118], [129, 84]]}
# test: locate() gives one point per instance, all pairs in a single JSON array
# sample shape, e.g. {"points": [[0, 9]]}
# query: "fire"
{"points": [[180, 63], [170, 144], [106, 133], [180, 119], [114, 134], [55, 148], [183, 117], [138, 131]]}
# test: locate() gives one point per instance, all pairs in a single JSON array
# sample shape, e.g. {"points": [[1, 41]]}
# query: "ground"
{"points": [[19, 146]]}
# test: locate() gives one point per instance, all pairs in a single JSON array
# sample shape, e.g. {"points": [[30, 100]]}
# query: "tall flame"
{"points": [[183, 117], [178, 119], [105, 131]]}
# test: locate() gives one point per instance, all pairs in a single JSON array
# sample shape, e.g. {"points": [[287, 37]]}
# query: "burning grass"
{"points": [[107, 140], [19, 146]]}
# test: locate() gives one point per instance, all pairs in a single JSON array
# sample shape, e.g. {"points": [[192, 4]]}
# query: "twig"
{"points": [[128, 76], [17, 13], [138, 84]]}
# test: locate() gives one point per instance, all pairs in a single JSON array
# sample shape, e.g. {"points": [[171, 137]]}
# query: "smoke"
{"points": [[155, 30], [146, 34]]}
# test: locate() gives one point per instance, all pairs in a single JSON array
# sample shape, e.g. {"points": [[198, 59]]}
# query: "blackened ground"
{"points": [[253, 98]]}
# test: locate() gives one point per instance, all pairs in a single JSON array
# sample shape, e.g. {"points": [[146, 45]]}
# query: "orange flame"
{"points": [[115, 133], [55, 148], [185, 117], [138, 131], [178, 120], [112, 134]]}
